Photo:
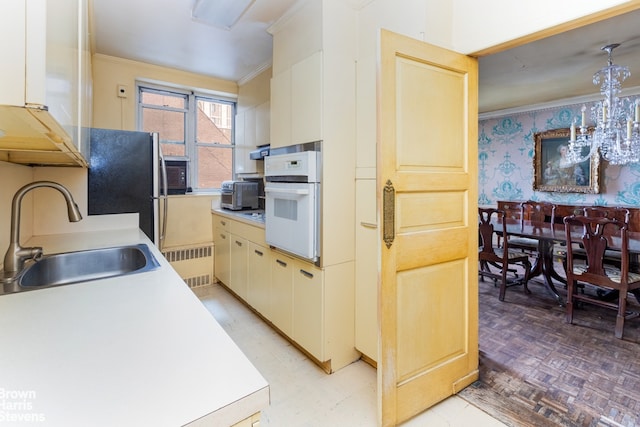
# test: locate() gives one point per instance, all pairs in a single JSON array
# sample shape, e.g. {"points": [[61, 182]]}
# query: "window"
{"points": [[191, 126]]}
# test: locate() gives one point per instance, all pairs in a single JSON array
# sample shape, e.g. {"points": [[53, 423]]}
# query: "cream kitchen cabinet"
{"points": [[232, 242], [259, 278], [311, 306], [306, 99], [263, 125], [280, 129], [316, 47], [238, 264], [308, 304], [366, 315], [314, 307], [221, 239], [252, 130], [45, 93], [296, 100], [281, 298], [245, 141]]}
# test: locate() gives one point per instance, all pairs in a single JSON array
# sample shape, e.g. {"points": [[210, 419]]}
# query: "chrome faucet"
{"points": [[16, 255]]}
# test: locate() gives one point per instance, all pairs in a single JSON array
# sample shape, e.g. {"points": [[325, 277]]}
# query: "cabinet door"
{"points": [[306, 99], [245, 141], [45, 64], [221, 259], [366, 315], [281, 306], [259, 278], [13, 22], [262, 123], [280, 128], [308, 303], [250, 128], [62, 31], [238, 262]]}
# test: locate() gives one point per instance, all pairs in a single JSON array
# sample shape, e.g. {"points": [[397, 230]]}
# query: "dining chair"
{"points": [[512, 211], [533, 211], [499, 257], [612, 212], [595, 237], [618, 213], [613, 257]]}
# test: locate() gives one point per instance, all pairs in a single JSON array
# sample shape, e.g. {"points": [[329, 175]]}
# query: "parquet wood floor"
{"points": [[537, 370]]}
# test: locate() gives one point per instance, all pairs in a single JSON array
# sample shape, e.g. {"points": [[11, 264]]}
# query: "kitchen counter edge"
{"points": [[237, 216], [159, 341]]}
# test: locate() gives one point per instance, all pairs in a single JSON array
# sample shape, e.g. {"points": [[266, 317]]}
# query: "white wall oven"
{"points": [[292, 203]]}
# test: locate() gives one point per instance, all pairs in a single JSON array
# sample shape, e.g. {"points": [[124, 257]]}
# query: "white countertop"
{"points": [[139, 350], [242, 216]]}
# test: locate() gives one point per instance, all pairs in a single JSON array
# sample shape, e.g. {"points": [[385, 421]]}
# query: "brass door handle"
{"points": [[388, 213]]}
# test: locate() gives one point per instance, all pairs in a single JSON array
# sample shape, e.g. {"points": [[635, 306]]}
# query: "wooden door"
{"points": [[427, 205]]}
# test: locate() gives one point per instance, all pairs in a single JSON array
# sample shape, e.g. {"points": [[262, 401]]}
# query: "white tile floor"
{"points": [[302, 394]]}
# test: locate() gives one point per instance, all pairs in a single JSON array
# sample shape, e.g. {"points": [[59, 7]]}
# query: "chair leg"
{"points": [[571, 288], [503, 284], [622, 309], [525, 280]]}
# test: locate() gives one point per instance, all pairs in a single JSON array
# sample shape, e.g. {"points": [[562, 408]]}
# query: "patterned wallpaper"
{"points": [[505, 162]]}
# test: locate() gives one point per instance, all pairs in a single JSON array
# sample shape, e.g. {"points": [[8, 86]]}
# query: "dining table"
{"points": [[550, 238]]}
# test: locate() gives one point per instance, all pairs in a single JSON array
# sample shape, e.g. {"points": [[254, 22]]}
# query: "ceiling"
{"points": [[560, 66], [163, 33]]}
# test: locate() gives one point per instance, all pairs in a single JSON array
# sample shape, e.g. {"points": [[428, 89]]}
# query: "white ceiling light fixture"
{"points": [[220, 13]]}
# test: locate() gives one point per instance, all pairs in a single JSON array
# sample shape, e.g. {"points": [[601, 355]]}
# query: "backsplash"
{"points": [[505, 162]]}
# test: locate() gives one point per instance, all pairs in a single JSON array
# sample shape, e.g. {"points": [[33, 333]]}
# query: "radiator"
{"points": [[193, 263]]}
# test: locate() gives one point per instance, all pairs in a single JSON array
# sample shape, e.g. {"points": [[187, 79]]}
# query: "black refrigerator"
{"points": [[125, 177]]}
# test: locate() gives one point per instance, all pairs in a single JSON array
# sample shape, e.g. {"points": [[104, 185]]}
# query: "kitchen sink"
{"points": [[82, 266]]}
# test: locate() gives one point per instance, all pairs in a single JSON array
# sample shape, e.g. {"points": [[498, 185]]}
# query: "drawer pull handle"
{"points": [[238, 243], [368, 224], [258, 252], [223, 236], [223, 223], [282, 263], [306, 274]]}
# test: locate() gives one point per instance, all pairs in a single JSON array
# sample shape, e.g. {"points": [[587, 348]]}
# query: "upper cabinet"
{"points": [[296, 94], [252, 122], [313, 98], [45, 92]]}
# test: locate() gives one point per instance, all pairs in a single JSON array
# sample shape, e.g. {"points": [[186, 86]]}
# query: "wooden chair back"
{"points": [[621, 214], [487, 231], [538, 211], [595, 238]]}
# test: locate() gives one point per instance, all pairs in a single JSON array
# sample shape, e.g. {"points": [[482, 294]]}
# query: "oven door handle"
{"points": [[286, 190]]}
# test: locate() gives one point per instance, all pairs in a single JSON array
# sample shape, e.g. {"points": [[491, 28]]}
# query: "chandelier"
{"points": [[616, 134]]}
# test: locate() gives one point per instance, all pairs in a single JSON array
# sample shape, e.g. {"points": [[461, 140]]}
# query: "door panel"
{"points": [[427, 151]]}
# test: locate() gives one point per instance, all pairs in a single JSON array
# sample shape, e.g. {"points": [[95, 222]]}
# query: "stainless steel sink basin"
{"points": [[82, 266]]}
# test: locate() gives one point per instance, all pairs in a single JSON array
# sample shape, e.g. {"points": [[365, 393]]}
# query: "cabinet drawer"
{"points": [[221, 223], [249, 232]]}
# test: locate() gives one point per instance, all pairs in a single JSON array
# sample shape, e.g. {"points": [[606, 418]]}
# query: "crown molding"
{"points": [[282, 21], [554, 104], [255, 73]]}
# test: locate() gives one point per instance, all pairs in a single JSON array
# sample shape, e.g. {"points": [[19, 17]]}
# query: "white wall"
{"points": [[478, 25]]}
